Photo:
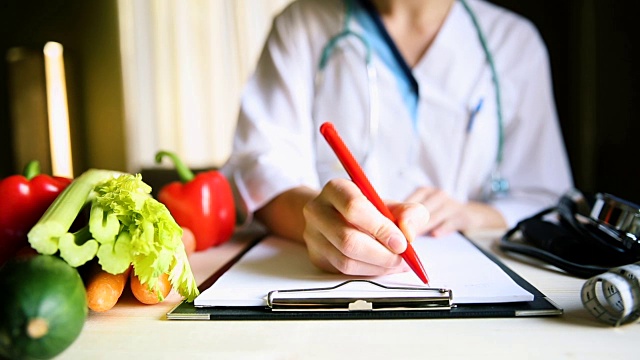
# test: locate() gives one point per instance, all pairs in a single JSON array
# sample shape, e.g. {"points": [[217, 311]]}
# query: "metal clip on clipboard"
{"points": [[331, 299]]}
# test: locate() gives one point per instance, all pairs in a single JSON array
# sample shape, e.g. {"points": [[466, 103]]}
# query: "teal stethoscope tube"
{"points": [[372, 76], [497, 185]]}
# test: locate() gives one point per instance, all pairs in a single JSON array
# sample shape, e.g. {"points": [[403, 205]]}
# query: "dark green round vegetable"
{"points": [[43, 307]]}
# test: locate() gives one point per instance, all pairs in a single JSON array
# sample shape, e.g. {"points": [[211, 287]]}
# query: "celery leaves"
{"points": [[127, 224]]}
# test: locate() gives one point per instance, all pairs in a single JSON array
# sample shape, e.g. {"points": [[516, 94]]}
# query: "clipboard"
{"points": [[425, 303], [328, 298]]}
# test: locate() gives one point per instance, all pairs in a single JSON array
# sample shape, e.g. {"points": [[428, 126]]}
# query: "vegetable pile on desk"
{"points": [[128, 235], [127, 228]]}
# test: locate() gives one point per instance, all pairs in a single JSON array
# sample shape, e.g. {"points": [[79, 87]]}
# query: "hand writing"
{"points": [[345, 233]]}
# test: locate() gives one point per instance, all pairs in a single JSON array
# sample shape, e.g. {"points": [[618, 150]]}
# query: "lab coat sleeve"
{"points": [[272, 148], [535, 160]]}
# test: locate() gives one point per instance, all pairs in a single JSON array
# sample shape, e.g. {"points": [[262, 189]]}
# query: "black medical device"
{"points": [[584, 235]]}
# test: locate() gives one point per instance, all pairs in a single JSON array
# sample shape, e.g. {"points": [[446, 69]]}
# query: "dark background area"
{"points": [[596, 87], [88, 31], [590, 44], [29, 24]]}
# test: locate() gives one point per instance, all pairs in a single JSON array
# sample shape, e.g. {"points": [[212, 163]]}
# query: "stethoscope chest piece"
{"points": [[496, 187]]}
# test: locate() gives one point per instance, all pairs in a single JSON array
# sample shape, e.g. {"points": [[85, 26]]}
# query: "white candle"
{"points": [[59, 133]]}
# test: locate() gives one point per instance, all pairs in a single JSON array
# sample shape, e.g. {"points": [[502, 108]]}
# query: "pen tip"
{"points": [[424, 278], [415, 264]]}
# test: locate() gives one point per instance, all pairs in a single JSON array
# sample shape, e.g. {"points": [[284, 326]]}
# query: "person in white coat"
{"points": [[447, 105]]}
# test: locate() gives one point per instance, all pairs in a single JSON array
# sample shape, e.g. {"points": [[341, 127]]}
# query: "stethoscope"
{"points": [[496, 186]]}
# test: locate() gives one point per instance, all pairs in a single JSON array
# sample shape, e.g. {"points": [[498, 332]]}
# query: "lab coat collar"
{"points": [[450, 66]]}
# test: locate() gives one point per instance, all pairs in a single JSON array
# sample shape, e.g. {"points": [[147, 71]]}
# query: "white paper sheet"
{"points": [[452, 263]]}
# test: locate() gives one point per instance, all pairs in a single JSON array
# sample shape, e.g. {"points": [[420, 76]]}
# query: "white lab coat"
{"points": [[277, 145]]}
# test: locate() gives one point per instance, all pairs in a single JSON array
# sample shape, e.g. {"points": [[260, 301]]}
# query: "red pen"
{"points": [[360, 179]]}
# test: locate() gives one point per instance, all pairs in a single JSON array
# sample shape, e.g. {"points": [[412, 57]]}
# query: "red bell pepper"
{"points": [[203, 203], [23, 200]]}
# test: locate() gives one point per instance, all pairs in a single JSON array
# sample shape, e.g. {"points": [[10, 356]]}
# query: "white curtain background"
{"points": [[184, 65]]}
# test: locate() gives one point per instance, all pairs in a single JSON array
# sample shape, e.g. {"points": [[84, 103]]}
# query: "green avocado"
{"points": [[43, 307]]}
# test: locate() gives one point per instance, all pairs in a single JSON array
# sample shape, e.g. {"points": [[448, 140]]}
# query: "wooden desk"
{"points": [[135, 331]]}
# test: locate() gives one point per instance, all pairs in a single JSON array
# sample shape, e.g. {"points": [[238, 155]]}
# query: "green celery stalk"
{"points": [[45, 235], [78, 248], [104, 225], [115, 256]]}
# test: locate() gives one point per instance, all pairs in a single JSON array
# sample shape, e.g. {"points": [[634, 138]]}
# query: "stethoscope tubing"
{"points": [[497, 185]]}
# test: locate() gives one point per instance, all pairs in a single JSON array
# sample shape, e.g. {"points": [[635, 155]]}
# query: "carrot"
{"points": [[104, 289], [147, 295]]}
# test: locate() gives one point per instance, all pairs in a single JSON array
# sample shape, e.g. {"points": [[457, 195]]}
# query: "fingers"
{"points": [[357, 210], [413, 218], [445, 212], [344, 232], [446, 219], [443, 228], [327, 257], [433, 199]]}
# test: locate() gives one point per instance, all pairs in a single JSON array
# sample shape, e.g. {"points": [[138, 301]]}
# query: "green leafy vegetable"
{"points": [[126, 227]]}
